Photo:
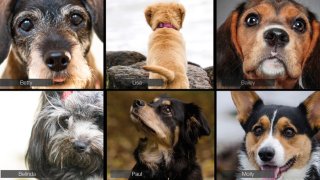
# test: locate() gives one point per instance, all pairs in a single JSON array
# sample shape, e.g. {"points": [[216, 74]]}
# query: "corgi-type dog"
{"points": [[279, 139]]}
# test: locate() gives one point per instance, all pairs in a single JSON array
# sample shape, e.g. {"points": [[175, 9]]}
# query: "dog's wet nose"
{"points": [[138, 103], [276, 37], [57, 60], [80, 146], [266, 154]]}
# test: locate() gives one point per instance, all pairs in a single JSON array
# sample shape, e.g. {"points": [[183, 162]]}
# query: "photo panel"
{"points": [[52, 44], [267, 44], [160, 135], [52, 135], [159, 44], [267, 135]]}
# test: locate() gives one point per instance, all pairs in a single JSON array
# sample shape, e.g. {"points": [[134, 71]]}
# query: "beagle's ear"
{"points": [[182, 13], [148, 14], [95, 8], [245, 102], [311, 66], [6, 9], [312, 107], [229, 63]]}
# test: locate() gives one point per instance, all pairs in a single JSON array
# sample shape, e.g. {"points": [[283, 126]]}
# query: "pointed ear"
{"points": [[245, 102], [95, 8], [6, 8], [148, 14], [229, 61], [196, 123], [312, 107]]}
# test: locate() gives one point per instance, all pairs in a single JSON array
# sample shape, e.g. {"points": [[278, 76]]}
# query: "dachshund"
{"points": [[51, 40], [268, 42]]}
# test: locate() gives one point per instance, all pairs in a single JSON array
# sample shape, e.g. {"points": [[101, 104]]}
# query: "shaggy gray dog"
{"points": [[67, 137]]}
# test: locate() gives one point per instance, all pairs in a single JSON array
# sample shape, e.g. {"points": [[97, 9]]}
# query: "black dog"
{"points": [[172, 128], [51, 39]]}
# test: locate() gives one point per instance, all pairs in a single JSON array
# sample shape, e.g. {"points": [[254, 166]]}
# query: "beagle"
{"points": [[268, 42]]}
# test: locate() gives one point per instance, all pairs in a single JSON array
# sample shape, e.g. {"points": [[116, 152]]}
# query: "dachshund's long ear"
{"points": [[6, 9], [95, 8], [311, 66], [229, 63]]}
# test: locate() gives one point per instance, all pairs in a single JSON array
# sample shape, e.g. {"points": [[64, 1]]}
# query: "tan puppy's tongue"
{"points": [[274, 169]]}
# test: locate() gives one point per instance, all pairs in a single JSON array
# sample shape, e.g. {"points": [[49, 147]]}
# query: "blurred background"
{"points": [[229, 131], [18, 110], [127, 28], [122, 136]]}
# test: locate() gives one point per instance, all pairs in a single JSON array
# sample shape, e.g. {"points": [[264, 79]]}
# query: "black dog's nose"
{"points": [[276, 37], [266, 154], [57, 60], [138, 103], [80, 146]]}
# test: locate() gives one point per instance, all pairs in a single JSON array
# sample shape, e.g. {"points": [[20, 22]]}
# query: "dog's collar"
{"points": [[65, 95], [166, 25]]}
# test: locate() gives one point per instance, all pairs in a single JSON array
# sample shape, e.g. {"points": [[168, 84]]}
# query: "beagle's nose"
{"points": [[276, 37], [266, 154], [57, 60], [138, 103]]}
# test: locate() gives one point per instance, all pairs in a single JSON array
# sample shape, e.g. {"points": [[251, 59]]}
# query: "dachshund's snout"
{"points": [[138, 103], [57, 60]]}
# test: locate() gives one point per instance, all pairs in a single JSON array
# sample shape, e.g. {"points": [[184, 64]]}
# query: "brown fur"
{"points": [[167, 55], [248, 42]]}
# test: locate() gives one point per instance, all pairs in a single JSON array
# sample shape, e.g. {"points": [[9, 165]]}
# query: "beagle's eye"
{"points": [[299, 25], [252, 20], [166, 109], [288, 132], [258, 130], [76, 19], [26, 25]]}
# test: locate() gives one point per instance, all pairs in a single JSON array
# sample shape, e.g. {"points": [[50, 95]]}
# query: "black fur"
{"points": [[183, 165]]}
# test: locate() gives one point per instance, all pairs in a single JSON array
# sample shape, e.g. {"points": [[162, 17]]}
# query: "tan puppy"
{"points": [[167, 54]]}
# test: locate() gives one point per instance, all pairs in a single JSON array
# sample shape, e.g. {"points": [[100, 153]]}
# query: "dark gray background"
{"points": [[224, 8]]}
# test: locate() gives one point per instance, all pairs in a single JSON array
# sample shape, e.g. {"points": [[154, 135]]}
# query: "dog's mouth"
{"points": [[272, 68], [138, 120], [59, 79], [278, 171]]}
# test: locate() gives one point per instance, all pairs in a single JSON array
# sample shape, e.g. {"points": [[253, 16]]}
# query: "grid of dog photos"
{"points": [[160, 89]]}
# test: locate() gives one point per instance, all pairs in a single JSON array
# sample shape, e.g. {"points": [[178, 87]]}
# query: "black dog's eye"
{"points": [[258, 130], [63, 122], [26, 25], [252, 20], [166, 109], [288, 132], [76, 19], [299, 25]]}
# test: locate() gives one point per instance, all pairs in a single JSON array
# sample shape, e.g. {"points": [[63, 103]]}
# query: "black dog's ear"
{"points": [[6, 8], [312, 107], [229, 63], [245, 102], [95, 8], [196, 123], [310, 74]]}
